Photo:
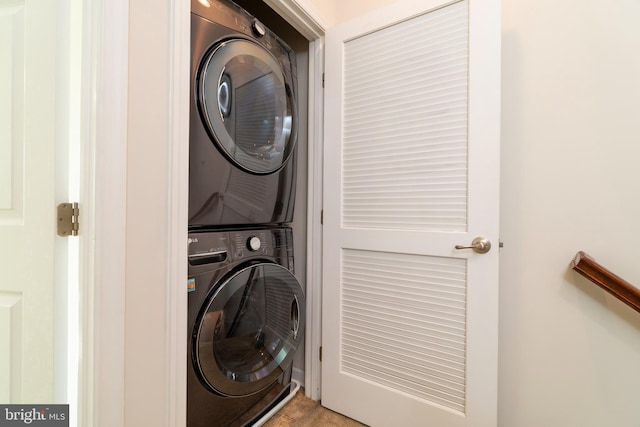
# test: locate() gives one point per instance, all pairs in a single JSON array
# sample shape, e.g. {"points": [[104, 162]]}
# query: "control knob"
{"points": [[258, 29], [253, 243]]}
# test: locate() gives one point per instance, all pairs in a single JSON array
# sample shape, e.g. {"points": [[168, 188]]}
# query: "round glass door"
{"points": [[247, 106], [249, 329]]}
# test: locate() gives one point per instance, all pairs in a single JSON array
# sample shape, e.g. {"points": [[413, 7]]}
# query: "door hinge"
{"points": [[323, 80], [68, 224], [322, 217], [320, 355]]}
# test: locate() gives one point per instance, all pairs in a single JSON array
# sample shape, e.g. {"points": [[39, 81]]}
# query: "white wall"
{"points": [[569, 353], [332, 12], [348, 9], [322, 10]]}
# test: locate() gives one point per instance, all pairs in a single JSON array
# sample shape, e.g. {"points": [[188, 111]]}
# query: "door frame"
{"points": [[103, 242], [103, 208], [101, 400], [313, 338]]}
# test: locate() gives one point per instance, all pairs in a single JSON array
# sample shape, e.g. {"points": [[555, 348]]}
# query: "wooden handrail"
{"points": [[608, 281]]}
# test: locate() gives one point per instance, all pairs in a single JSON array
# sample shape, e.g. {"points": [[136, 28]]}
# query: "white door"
{"points": [[411, 170], [29, 70]]}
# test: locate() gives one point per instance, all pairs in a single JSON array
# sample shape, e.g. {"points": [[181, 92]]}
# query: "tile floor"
{"points": [[304, 412]]}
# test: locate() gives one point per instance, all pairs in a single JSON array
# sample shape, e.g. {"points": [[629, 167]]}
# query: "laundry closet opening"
{"points": [[300, 45]]}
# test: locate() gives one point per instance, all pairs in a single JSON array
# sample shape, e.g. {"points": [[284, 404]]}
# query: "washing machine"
{"points": [[243, 126], [246, 322]]}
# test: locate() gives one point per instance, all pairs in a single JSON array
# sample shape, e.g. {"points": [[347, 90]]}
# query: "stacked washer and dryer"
{"points": [[246, 308]]}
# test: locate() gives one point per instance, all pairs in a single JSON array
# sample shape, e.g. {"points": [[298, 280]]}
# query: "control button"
{"points": [[253, 243], [258, 29]]}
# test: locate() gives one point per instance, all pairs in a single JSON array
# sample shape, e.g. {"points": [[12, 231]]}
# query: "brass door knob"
{"points": [[479, 245]]}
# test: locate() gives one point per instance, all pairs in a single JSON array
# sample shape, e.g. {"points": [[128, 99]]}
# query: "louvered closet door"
{"points": [[412, 170]]}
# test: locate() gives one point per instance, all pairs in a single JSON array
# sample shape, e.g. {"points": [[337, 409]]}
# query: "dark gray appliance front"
{"points": [[246, 322], [243, 126]]}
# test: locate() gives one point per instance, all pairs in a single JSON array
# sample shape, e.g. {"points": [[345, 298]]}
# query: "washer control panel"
{"points": [[218, 248], [249, 243]]}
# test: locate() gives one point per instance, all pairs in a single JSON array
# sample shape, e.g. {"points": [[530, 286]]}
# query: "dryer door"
{"points": [[247, 106], [249, 329]]}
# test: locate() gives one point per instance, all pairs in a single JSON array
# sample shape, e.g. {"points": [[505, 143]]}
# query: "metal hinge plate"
{"points": [[68, 224], [320, 355]]}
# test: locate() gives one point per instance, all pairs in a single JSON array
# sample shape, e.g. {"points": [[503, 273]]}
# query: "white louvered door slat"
{"points": [[411, 170]]}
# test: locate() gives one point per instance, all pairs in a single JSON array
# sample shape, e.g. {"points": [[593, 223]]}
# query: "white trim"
{"points": [[314, 226], [103, 204], [178, 198], [305, 21]]}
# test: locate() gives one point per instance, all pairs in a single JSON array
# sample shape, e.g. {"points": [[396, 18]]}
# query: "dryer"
{"points": [[243, 125], [246, 321]]}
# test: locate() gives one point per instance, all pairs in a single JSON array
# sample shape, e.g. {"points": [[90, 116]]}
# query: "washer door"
{"points": [[249, 329], [247, 106]]}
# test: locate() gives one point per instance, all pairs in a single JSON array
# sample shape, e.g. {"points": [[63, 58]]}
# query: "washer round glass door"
{"points": [[247, 106], [249, 329]]}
